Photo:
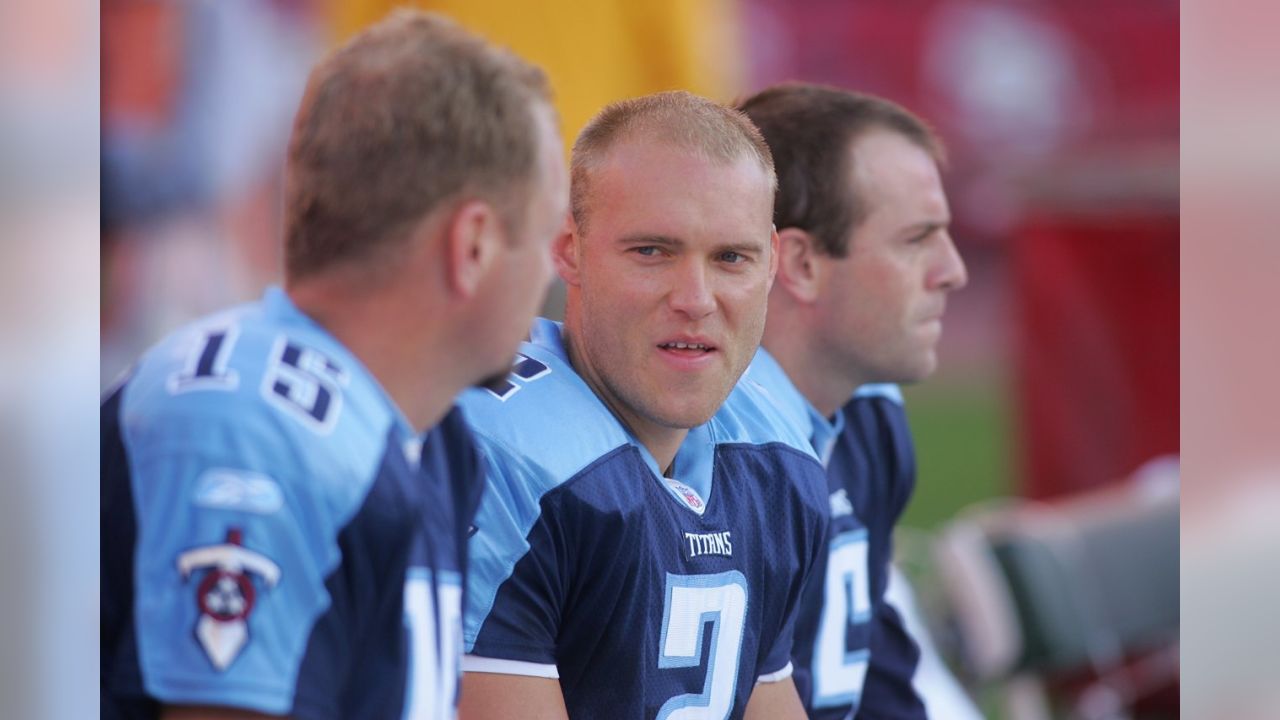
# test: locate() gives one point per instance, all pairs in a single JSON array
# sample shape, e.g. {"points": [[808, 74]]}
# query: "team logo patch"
{"points": [[688, 495], [225, 594]]}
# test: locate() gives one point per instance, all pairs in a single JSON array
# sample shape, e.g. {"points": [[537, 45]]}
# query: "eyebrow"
{"points": [[672, 243], [924, 228], [645, 239]]}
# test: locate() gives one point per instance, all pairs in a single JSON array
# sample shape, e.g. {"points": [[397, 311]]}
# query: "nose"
{"points": [[692, 295], [950, 272]]}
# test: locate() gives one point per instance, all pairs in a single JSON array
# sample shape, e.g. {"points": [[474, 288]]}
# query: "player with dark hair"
{"points": [[865, 266], [650, 521], [277, 536]]}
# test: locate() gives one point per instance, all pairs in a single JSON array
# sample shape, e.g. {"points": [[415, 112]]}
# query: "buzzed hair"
{"points": [[413, 113], [679, 118], [810, 129]]}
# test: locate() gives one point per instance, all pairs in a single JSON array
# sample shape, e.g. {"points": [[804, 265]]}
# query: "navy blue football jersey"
{"points": [[647, 596], [852, 651], [275, 536]]}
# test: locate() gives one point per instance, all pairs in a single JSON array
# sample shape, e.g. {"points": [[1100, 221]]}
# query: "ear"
{"points": [[474, 237], [566, 251], [798, 264], [775, 246]]}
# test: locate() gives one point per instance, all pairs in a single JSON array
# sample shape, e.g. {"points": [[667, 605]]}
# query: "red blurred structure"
{"points": [[1098, 346], [1062, 124]]}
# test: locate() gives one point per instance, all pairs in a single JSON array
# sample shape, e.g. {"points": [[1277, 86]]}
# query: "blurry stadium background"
{"points": [[1060, 360]]}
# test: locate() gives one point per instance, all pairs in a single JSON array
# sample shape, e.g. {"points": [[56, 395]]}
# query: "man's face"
{"points": [[880, 307], [672, 281], [524, 269]]}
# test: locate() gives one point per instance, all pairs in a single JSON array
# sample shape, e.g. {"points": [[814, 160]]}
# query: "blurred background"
{"points": [[1059, 381], [1060, 361]]}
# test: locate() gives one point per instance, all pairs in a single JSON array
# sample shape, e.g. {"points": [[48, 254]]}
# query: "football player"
{"points": [[642, 545], [277, 537], [865, 267]]}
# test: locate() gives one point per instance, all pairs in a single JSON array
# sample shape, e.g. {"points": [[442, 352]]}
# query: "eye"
{"points": [[927, 234], [732, 257], [646, 250]]}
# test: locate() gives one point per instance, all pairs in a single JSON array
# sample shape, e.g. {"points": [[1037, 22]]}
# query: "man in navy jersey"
{"points": [[866, 263], [278, 535], [649, 522]]}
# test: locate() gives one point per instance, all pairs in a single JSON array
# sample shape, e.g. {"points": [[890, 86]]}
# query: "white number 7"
{"points": [[692, 600]]}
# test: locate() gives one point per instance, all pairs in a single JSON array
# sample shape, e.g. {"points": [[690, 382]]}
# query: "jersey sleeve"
{"points": [[889, 685], [231, 560], [888, 688], [517, 575]]}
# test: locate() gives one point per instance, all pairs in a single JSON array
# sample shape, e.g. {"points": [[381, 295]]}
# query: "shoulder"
{"points": [[260, 390], [877, 413], [876, 426], [750, 421], [543, 420], [769, 384], [754, 414], [886, 391]]}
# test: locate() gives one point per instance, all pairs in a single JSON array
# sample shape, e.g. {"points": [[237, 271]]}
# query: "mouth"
{"points": [[687, 350], [687, 347]]}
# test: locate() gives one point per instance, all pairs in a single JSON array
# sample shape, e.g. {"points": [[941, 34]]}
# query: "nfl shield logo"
{"points": [[687, 495]]}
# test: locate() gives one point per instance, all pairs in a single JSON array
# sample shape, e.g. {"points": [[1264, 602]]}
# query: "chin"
{"points": [[696, 409], [920, 369], [684, 415]]}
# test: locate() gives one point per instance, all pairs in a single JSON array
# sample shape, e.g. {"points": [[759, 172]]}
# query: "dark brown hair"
{"points": [[810, 129]]}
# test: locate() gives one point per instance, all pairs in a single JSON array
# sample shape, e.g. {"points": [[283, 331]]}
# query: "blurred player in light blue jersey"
{"points": [[277, 536], [648, 527], [866, 263]]}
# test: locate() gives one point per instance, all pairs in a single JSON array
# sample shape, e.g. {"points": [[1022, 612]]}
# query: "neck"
{"points": [[827, 389], [395, 346], [661, 441]]}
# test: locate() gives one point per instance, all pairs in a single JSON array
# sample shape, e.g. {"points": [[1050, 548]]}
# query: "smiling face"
{"points": [[667, 289], [879, 309]]}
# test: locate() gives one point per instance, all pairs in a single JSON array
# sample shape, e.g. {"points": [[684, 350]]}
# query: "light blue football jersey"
{"points": [[643, 594], [275, 536]]}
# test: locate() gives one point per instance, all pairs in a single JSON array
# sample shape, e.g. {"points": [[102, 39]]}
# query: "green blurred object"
{"points": [[963, 446]]}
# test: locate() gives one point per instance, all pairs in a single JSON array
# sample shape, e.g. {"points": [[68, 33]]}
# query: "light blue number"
{"points": [[838, 674], [434, 622], [691, 602]]}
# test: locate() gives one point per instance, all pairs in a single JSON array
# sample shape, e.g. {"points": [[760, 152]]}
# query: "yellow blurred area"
{"points": [[596, 52]]}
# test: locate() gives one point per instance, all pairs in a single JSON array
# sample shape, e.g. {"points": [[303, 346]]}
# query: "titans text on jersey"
{"points": [[275, 537], [852, 649], [645, 595]]}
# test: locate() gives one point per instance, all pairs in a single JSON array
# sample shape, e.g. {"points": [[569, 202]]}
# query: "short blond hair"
{"points": [[411, 114], [678, 118]]}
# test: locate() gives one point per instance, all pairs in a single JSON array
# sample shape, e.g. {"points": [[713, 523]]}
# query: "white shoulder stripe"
{"points": [[475, 663], [884, 390], [776, 676]]}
